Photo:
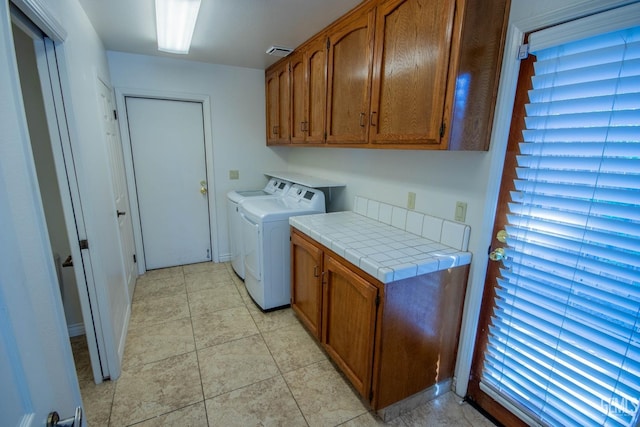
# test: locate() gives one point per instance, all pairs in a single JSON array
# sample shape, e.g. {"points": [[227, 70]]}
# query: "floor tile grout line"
{"points": [[193, 335], [163, 414]]}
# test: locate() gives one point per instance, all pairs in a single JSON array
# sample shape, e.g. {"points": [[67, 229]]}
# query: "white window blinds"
{"points": [[564, 341]]}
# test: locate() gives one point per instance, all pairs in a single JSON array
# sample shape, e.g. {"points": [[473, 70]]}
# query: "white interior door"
{"points": [[123, 214], [169, 163]]}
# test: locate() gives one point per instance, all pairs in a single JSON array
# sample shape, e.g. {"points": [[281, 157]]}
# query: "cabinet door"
{"points": [[272, 92], [298, 94], [348, 79], [283, 105], [306, 283], [277, 88], [348, 323], [412, 48], [316, 100]]}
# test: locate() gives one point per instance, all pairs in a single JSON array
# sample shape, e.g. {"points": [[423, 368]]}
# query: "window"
{"points": [[563, 345]]}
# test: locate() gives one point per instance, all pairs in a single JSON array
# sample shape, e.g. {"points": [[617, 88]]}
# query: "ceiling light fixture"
{"points": [[175, 22]]}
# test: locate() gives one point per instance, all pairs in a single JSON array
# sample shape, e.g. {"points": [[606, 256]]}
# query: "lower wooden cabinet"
{"points": [[306, 269], [391, 340], [348, 322]]}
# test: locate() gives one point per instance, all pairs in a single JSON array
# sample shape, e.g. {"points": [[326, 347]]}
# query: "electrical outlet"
{"points": [[411, 200], [461, 211], [234, 174]]}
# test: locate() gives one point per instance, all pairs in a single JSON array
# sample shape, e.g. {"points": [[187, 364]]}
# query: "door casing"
{"points": [[121, 94]]}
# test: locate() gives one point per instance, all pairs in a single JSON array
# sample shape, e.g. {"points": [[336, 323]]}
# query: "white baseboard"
{"points": [[75, 330], [224, 258]]}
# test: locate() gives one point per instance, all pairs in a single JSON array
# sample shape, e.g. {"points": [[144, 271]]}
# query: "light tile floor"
{"points": [[200, 353]]}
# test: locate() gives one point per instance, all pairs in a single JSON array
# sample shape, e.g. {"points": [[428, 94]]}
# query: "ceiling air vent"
{"points": [[279, 51]]}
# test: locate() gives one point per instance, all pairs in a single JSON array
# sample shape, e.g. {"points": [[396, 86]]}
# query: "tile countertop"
{"points": [[382, 250]]}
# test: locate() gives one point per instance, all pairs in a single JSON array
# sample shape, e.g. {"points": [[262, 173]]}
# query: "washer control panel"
{"points": [[305, 195]]}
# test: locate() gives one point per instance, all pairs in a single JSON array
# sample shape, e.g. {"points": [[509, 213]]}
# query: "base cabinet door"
{"points": [[306, 283], [348, 325]]}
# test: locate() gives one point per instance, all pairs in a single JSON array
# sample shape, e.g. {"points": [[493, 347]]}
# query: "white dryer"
{"points": [[265, 233], [274, 188]]}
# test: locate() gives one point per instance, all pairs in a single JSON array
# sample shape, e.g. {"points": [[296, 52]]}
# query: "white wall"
{"points": [[237, 119]]}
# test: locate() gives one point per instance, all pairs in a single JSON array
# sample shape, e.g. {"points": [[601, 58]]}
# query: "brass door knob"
{"points": [[497, 254]]}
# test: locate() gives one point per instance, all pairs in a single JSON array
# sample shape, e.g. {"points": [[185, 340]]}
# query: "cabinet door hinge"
{"points": [[135, 260], [84, 244], [370, 395], [115, 115], [377, 300], [328, 43], [442, 129]]}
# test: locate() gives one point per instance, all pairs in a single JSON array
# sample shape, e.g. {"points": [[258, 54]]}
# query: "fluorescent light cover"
{"points": [[175, 21]]}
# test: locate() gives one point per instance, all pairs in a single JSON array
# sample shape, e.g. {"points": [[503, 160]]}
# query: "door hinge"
{"points": [[377, 300], [328, 43], [442, 129], [523, 51], [135, 260], [115, 115], [370, 395], [84, 244]]}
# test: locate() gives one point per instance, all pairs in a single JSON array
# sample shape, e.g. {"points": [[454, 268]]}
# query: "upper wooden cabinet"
{"points": [[408, 74], [278, 99], [308, 92], [412, 48], [348, 80]]}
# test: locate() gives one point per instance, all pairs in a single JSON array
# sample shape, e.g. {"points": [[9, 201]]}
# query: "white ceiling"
{"points": [[231, 32]]}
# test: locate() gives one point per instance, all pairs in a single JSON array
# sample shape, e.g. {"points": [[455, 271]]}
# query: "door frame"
{"points": [[51, 68], [72, 208], [123, 122], [498, 147]]}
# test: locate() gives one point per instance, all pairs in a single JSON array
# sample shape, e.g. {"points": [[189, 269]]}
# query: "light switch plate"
{"points": [[234, 174], [461, 211]]}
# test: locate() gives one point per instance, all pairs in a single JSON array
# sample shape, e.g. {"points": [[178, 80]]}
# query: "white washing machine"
{"points": [[265, 234], [274, 188]]}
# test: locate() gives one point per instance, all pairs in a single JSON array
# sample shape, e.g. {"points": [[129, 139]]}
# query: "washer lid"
{"points": [[238, 196], [253, 193], [277, 209]]}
